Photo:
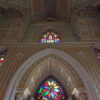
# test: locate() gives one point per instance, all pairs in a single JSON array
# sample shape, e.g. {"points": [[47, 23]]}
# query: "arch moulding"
{"points": [[91, 91]]}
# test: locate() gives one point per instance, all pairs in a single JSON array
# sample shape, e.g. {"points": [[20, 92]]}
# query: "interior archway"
{"points": [[75, 65], [50, 65], [50, 89]]}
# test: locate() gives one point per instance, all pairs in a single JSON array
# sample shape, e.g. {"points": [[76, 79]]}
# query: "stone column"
{"points": [[19, 96], [82, 97], [32, 98], [80, 93]]}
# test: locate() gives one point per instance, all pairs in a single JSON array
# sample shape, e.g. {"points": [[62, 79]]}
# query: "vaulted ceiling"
{"points": [[57, 9]]}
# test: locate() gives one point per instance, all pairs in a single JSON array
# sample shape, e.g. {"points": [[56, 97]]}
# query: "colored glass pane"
{"points": [[97, 52], [50, 90], [50, 37], [3, 54]]}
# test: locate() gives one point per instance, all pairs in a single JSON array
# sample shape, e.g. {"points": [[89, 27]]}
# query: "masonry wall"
{"points": [[37, 29], [11, 26], [18, 54], [88, 24]]}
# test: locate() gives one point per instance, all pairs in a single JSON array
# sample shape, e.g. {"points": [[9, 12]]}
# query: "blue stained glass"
{"points": [[56, 90], [45, 38], [52, 94], [56, 41]]}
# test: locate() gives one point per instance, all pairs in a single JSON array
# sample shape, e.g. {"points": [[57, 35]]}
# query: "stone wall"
{"points": [[10, 26], [88, 24], [18, 54], [37, 29]]}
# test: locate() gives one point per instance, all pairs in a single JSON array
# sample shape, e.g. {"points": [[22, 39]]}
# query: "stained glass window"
{"points": [[97, 52], [50, 90], [3, 54], [50, 37]]}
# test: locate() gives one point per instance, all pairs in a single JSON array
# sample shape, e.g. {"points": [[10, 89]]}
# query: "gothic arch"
{"points": [[91, 91], [50, 65]]}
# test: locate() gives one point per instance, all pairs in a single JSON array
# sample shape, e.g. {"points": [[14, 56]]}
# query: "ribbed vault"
{"points": [[47, 8]]}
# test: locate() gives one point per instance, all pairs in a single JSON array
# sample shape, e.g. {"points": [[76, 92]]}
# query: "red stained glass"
{"points": [[3, 54], [1, 61]]}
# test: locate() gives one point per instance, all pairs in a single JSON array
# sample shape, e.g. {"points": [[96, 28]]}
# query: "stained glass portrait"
{"points": [[50, 90], [50, 37]]}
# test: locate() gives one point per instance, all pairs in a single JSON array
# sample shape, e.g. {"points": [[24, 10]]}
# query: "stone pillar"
{"points": [[82, 97], [80, 93], [32, 98], [70, 98], [19, 96], [23, 94]]}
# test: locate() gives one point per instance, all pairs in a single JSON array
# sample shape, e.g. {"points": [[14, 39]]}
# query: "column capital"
{"points": [[80, 93]]}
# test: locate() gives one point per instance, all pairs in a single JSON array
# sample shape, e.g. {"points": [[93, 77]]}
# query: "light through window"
{"points": [[50, 90], [50, 37], [97, 52], [3, 54]]}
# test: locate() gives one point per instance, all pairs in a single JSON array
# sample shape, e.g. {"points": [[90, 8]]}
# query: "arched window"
{"points": [[50, 90], [50, 37], [3, 54]]}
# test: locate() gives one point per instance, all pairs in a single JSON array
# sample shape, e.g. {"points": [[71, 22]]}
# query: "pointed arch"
{"points": [[91, 91], [51, 65]]}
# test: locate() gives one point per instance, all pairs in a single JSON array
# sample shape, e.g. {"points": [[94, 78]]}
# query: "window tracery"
{"points": [[50, 37]]}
